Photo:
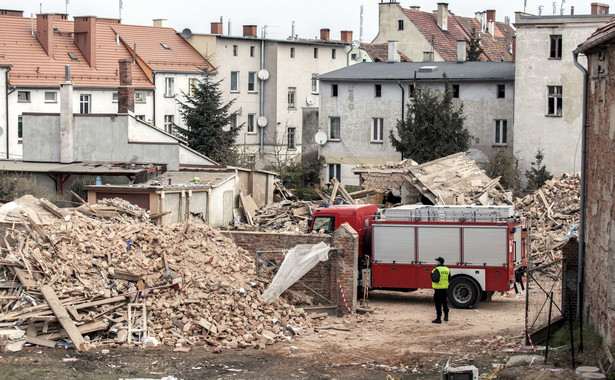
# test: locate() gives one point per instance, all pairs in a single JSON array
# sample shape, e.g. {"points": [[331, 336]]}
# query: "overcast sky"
{"points": [[309, 15]]}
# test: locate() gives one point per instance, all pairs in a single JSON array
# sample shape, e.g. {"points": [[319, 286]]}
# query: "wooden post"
{"points": [[63, 317]]}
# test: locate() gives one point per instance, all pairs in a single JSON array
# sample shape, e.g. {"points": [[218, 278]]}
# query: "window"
{"points": [[292, 52], [73, 57], [233, 120], [20, 127], [333, 53], [501, 91], [85, 103], [251, 161], [169, 84], [353, 56], [334, 128], [252, 50], [554, 106], [51, 97], [315, 52], [378, 90], [169, 121], [400, 24], [324, 223], [252, 81], [377, 129], [335, 172], [140, 97], [291, 138], [411, 91], [555, 51], [191, 86], [334, 90], [251, 118], [235, 50], [23, 96], [292, 91], [165, 46], [234, 80], [140, 117], [115, 97], [456, 91], [315, 83], [500, 132]]}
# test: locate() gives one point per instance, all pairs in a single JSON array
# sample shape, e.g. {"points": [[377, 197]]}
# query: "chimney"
{"points": [[442, 16], [85, 38], [324, 34], [514, 48], [249, 30], [67, 130], [393, 56], [216, 28], [461, 51], [125, 92], [415, 7], [572, 10], [427, 56], [346, 36], [491, 22], [8, 12], [44, 32], [600, 9], [160, 22]]}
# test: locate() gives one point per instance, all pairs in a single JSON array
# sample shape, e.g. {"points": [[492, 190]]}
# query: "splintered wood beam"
{"points": [[73, 332]]}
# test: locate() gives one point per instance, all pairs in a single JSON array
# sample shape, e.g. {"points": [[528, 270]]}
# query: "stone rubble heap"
{"points": [[206, 290]]}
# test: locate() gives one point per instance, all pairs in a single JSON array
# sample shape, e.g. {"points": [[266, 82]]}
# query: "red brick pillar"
{"points": [[570, 288], [346, 240], [126, 92]]}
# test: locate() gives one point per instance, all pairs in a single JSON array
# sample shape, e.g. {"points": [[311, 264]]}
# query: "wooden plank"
{"points": [[99, 302], [362, 193], [54, 303], [301, 211], [40, 341], [83, 329], [247, 209], [336, 185], [26, 280], [123, 274], [55, 210]]}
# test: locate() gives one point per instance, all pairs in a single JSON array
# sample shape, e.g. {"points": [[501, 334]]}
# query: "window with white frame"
{"points": [[115, 97], [20, 127], [51, 97], [251, 118], [291, 138], [169, 87], [252, 81], [140, 97], [400, 24], [169, 122], [191, 86], [500, 132], [315, 83], [23, 96], [377, 129], [234, 80], [555, 46], [334, 128], [554, 101], [85, 103], [292, 94], [335, 171]]}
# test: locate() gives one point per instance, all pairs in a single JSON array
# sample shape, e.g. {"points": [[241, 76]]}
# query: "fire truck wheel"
{"points": [[463, 293]]}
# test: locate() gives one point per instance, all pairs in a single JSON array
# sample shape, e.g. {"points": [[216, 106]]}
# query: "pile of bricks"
{"points": [[194, 285]]}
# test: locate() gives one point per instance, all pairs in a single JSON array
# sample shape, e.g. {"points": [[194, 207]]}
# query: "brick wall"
{"points": [[342, 263], [570, 286], [599, 260]]}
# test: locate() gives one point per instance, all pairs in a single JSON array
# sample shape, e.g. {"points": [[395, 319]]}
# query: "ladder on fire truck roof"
{"points": [[423, 213]]}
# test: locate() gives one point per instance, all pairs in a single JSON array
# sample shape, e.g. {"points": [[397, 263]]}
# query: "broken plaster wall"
{"points": [[386, 180], [599, 292]]}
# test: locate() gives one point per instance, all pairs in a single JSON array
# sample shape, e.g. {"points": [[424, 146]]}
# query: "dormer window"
{"points": [[73, 57], [167, 47]]}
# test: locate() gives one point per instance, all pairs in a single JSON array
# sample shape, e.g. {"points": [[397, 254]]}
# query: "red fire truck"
{"points": [[483, 246]]}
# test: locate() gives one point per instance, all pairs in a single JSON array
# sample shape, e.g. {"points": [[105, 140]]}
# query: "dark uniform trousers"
{"points": [[440, 297]]}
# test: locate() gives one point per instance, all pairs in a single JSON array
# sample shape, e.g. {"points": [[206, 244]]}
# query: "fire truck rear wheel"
{"points": [[463, 293]]}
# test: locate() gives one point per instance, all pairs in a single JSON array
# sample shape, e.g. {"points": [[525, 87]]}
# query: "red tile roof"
{"points": [[459, 28], [380, 52], [33, 67]]}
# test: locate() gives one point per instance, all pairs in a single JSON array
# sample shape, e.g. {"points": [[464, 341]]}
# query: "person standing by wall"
{"points": [[440, 277]]}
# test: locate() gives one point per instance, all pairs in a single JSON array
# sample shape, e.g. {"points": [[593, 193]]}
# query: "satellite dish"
{"points": [[310, 100], [262, 121], [321, 138], [186, 33], [263, 74], [356, 44]]}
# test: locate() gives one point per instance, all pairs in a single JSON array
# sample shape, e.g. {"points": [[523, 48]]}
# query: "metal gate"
{"points": [[544, 285], [318, 287]]}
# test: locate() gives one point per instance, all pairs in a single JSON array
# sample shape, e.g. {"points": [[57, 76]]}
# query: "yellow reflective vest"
{"points": [[444, 274]]}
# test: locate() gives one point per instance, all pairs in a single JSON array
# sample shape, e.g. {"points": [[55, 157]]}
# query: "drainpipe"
{"points": [[262, 100], [6, 98], [403, 100], [154, 99], [582, 203]]}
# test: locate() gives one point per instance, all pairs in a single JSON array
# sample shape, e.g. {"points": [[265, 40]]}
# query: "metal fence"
{"points": [[544, 285]]}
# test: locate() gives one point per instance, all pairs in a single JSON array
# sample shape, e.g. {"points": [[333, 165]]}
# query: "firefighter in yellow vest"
{"points": [[440, 277]]}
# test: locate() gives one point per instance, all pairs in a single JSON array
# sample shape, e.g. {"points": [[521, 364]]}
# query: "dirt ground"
{"points": [[398, 339]]}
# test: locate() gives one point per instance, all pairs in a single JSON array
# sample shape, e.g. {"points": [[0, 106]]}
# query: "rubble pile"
{"points": [[553, 215], [196, 285], [284, 216]]}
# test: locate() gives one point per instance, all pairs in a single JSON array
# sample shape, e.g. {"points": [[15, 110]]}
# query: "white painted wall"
{"points": [[167, 105]]}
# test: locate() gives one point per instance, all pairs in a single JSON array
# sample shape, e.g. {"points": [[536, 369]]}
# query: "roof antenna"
{"points": [[40, 7], [66, 7], [120, 9], [32, 24]]}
